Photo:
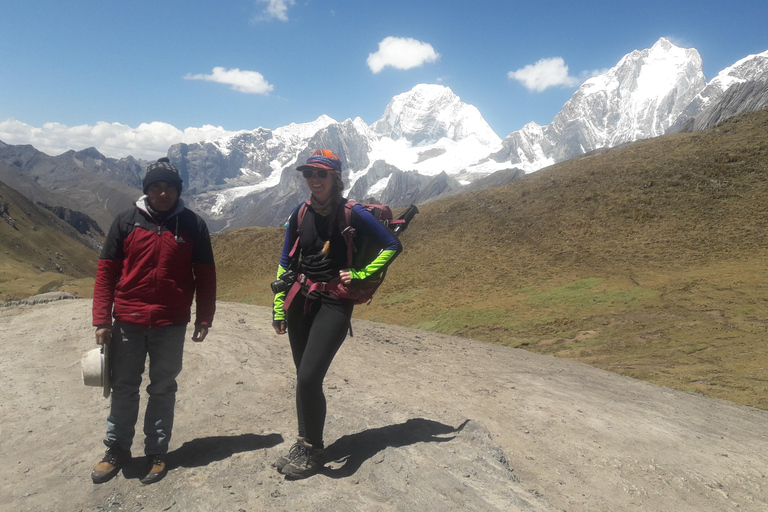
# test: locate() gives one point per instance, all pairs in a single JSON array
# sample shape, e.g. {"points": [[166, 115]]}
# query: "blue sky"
{"points": [[133, 77]]}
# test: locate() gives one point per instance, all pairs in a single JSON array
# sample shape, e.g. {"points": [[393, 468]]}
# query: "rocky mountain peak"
{"points": [[751, 68], [640, 97], [430, 112], [90, 153]]}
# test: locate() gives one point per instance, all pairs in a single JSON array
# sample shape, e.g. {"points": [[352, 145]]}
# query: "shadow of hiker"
{"points": [[354, 449], [203, 451]]}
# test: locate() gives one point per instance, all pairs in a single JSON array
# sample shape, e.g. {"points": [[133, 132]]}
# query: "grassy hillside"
{"points": [[40, 253], [647, 260]]}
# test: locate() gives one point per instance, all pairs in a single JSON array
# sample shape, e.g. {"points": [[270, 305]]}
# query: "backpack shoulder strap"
{"points": [[345, 226], [348, 212], [300, 217]]}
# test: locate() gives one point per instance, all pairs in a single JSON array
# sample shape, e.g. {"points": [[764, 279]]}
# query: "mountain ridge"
{"points": [[425, 135]]}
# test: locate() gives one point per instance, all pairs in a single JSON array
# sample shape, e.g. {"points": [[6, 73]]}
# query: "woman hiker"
{"points": [[316, 310]]}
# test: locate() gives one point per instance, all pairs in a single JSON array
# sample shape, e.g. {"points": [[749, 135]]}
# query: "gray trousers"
{"points": [[129, 349]]}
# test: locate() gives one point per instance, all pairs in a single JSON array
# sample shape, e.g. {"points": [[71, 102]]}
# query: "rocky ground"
{"points": [[417, 421]]}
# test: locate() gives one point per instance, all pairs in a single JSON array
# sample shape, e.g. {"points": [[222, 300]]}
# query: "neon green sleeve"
{"points": [[277, 309], [381, 260]]}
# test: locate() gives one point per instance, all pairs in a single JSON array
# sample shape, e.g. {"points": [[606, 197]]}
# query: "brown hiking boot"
{"points": [[308, 461], [114, 459], [158, 470]]}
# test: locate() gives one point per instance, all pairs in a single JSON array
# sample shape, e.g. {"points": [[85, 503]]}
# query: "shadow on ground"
{"points": [[203, 451], [354, 449]]}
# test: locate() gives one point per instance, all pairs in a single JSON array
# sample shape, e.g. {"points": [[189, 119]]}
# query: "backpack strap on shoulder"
{"points": [[347, 231], [300, 217]]}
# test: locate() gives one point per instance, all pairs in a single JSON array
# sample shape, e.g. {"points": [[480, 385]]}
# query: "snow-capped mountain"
{"points": [[430, 130], [428, 143], [641, 97], [423, 133], [428, 113], [749, 69], [738, 99], [428, 133]]}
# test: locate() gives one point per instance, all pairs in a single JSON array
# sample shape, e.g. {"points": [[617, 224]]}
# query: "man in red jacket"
{"points": [[157, 256]]}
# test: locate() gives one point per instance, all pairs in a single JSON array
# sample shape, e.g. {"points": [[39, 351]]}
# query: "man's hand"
{"points": [[346, 276], [103, 335], [201, 332]]}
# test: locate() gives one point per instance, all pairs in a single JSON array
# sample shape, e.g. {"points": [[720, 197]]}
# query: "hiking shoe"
{"points": [[114, 459], [158, 470], [294, 451], [308, 461]]}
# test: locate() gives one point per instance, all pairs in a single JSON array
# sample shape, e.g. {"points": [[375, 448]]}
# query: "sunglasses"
{"points": [[321, 173]]}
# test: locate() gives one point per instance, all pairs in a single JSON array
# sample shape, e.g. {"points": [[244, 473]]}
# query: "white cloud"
{"points": [[544, 74], [148, 141], [276, 9], [251, 82], [401, 53]]}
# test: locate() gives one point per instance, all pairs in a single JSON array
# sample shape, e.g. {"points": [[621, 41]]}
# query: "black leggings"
{"points": [[315, 335]]}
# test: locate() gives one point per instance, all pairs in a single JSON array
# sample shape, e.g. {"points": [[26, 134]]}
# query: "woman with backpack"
{"points": [[317, 298]]}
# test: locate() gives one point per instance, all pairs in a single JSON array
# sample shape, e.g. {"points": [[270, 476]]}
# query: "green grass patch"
{"points": [[587, 294], [403, 297], [748, 310]]}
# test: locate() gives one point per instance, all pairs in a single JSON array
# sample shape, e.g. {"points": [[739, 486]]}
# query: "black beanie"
{"points": [[162, 170]]}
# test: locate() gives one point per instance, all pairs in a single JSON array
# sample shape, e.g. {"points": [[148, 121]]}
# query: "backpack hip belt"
{"points": [[303, 282]]}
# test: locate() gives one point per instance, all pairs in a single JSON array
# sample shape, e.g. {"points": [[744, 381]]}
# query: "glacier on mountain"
{"points": [[638, 98], [750, 68], [429, 144], [430, 132]]}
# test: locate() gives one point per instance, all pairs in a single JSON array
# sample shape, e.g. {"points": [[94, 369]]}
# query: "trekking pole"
{"points": [[406, 217]]}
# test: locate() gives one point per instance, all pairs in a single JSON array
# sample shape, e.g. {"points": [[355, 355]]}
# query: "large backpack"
{"points": [[360, 255]]}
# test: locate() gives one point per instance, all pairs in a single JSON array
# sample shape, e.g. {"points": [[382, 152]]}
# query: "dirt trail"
{"points": [[417, 421]]}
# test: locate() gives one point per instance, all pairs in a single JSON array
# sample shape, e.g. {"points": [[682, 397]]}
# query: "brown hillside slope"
{"points": [[39, 252], [647, 260]]}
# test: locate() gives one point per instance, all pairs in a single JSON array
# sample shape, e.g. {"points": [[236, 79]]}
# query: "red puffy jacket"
{"points": [[149, 271]]}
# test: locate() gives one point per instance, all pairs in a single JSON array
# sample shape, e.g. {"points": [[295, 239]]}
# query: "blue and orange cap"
{"points": [[322, 159]]}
